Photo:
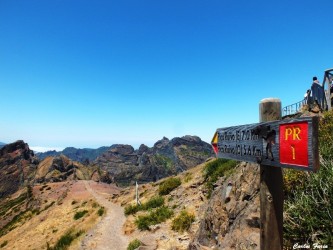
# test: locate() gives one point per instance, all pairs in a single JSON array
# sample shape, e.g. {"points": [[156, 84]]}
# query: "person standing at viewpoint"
{"points": [[317, 92]]}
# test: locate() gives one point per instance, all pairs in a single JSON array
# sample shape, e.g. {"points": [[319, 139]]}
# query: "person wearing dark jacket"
{"points": [[317, 92]]}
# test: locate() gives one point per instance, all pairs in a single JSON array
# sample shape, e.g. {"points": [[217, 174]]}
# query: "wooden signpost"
{"points": [[287, 144], [274, 144]]}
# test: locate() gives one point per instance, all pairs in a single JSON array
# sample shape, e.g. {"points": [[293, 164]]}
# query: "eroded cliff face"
{"points": [[167, 157], [231, 221], [17, 167]]}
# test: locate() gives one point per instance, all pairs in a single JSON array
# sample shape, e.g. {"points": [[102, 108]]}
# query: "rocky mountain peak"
{"points": [[17, 165], [17, 149]]}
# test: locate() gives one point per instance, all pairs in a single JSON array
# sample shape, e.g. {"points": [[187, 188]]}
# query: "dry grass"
{"points": [[48, 226]]}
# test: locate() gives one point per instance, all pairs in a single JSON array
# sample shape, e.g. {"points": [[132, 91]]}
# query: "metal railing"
{"points": [[293, 108], [320, 96]]}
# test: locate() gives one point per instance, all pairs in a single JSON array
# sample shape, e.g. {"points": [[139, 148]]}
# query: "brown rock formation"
{"points": [[232, 221], [61, 168], [17, 167]]}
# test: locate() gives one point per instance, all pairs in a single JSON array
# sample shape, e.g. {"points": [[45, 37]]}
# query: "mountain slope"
{"points": [[50, 213], [220, 222]]}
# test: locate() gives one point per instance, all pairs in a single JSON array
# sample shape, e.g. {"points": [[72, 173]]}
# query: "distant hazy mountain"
{"points": [[2, 144], [76, 154]]}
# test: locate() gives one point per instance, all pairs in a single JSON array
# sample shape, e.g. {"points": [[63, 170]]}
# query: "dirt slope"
{"points": [[51, 213]]}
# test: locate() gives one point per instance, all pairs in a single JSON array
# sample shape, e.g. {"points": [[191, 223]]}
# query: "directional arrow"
{"points": [[214, 143]]}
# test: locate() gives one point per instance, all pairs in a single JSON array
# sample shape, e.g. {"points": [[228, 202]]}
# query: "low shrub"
{"points": [[80, 214], [308, 210], [188, 176], [154, 217], [182, 222], [293, 178], [3, 244], [143, 222], [216, 169], [154, 202], [101, 211], [134, 244], [168, 185], [325, 135], [131, 209], [65, 241]]}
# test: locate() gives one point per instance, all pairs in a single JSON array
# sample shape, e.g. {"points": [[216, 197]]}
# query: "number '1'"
{"points": [[293, 152]]}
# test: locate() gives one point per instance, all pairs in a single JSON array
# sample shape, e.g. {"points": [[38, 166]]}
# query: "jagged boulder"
{"points": [[17, 167], [142, 149], [232, 221]]}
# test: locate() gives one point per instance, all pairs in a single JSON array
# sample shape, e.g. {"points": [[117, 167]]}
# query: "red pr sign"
{"points": [[294, 144]]}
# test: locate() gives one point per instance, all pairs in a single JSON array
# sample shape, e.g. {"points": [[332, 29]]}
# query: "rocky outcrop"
{"points": [[17, 167], [232, 215], [166, 157], [61, 168]]}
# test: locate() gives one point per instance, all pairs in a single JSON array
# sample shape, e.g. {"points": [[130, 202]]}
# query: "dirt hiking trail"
{"points": [[107, 234]]}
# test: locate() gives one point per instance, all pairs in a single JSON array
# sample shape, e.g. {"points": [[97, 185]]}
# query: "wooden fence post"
{"points": [[271, 188]]}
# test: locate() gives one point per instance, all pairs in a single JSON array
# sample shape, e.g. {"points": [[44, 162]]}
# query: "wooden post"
{"points": [[137, 194], [271, 188]]}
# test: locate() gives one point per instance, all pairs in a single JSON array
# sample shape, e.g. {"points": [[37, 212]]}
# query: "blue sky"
{"points": [[93, 73]]}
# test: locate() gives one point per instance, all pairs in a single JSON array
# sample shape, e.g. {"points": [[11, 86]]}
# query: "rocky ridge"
{"points": [[20, 167], [83, 155], [165, 158]]}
